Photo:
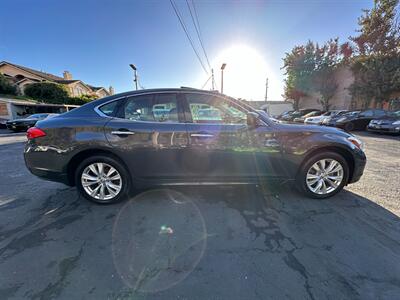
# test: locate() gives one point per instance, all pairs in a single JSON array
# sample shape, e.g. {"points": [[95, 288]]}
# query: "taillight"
{"points": [[34, 133]]}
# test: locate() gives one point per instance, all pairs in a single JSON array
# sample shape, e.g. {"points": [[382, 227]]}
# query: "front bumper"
{"points": [[360, 160]]}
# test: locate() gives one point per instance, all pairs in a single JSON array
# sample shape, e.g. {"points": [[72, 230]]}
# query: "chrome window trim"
{"points": [[100, 113]]}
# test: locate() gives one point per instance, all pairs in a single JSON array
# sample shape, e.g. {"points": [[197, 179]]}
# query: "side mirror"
{"points": [[252, 120]]}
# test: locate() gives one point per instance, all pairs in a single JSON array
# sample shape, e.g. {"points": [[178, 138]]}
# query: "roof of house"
{"points": [[51, 77], [65, 81], [44, 75]]}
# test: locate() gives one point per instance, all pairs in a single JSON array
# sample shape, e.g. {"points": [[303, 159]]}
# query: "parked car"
{"points": [[284, 114], [24, 123], [331, 121], [106, 151], [390, 123], [311, 114], [360, 120], [318, 120], [297, 114]]}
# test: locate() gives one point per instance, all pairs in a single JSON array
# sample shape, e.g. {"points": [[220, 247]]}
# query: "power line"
{"points": [[187, 33], [197, 27], [205, 83]]}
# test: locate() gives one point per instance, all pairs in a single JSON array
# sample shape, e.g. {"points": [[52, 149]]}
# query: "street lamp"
{"points": [[222, 77], [135, 72]]}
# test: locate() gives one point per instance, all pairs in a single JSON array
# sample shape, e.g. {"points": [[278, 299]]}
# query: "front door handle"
{"points": [[208, 135], [122, 132]]}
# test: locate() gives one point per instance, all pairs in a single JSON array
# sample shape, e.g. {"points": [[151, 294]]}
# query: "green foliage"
{"points": [[374, 57], [379, 32], [377, 67], [47, 92], [376, 77], [6, 87], [311, 68], [80, 100]]}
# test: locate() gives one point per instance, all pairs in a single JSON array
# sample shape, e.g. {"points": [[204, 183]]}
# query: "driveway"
{"points": [[249, 242]]}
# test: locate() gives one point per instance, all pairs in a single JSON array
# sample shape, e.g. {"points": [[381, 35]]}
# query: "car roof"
{"points": [[88, 107]]}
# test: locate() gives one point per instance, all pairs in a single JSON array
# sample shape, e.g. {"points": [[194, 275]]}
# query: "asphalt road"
{"points": [[264, 242]]}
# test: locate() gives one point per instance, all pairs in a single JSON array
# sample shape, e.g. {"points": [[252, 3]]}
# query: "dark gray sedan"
{"points": [[389, 123], [112, 146], [23, 124]]}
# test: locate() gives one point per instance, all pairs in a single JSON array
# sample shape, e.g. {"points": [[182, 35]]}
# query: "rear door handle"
{"points": [[202, 135], [122, 132]]}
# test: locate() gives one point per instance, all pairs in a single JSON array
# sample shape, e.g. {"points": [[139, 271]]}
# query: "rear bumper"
{"points": [[45, 164], [50, 175]]}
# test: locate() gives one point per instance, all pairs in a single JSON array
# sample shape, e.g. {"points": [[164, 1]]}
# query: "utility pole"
{"points": [[135, 75], [222, 77], [212, 78], [266, 90]]}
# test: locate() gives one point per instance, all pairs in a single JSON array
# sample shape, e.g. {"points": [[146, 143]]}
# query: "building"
{"points": [[17, 108], [343, 99], [22, 76], [273, 107]]}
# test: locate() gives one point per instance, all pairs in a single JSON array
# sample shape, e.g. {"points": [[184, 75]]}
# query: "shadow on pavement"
{"points": [[229, 243]]}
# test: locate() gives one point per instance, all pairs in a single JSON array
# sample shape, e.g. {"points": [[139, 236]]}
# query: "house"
{"points": [[22, 76]]}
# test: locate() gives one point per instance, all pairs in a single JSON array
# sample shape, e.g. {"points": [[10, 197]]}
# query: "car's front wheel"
{"points": [[323, 175], [102, 179]]}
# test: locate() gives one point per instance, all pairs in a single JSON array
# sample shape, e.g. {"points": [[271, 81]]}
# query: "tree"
{"points": [[47, 91], [376, 66], [6, 87], [379, 30], [312, 68], [299, 66]]}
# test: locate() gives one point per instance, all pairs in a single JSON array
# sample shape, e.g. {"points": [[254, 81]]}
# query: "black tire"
{"points": [[301, 176], [112, 162], [349, 126]]}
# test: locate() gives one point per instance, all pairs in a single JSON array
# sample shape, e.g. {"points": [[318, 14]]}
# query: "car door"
{"points": [[362, 120], [221, 145], [149, 134]]}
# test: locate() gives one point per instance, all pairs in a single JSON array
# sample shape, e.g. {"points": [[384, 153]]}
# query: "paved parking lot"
{"points": [[201, 243]]}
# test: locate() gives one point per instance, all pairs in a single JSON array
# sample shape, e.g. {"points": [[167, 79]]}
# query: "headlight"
{"points": [[396, 123], [356, 142], [341, 120]]}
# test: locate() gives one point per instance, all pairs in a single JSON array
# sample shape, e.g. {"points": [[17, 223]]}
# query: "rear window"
{"points": [[108, 109]]}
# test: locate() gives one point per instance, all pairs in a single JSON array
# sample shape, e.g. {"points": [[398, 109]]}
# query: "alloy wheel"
{"points": [[324, 176], [101, 181]]}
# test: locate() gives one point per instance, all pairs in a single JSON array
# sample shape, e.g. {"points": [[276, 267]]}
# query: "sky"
{"points": [[96, 40]]}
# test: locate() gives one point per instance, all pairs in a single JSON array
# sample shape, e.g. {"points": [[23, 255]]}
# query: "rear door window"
{"points": [[109, 108], [161, 108]]}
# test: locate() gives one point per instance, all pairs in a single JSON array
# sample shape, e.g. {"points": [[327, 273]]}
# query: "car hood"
{"points": [[23, 120], [311, 128]]}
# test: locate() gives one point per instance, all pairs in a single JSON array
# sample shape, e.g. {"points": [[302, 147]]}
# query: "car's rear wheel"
{"points": [[102, 179], [323, 175], [349, 126]]}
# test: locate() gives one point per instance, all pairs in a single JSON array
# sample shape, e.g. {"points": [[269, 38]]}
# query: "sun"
{"points": [[245, 72]]}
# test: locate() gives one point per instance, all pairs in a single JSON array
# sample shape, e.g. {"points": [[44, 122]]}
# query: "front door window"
{"points": [[209, 109]]}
